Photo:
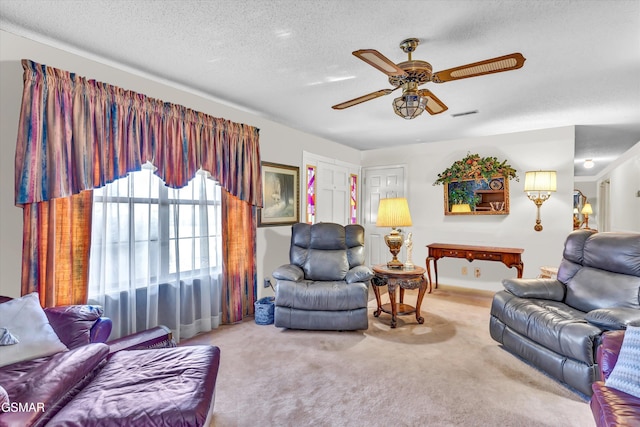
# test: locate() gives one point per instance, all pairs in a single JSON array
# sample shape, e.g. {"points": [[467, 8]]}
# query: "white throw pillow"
{"points": [[25, 319], [626, 373]]}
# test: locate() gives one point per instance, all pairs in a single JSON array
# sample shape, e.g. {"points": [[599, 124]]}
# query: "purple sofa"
{"points": [[612, 407], [141, 379]]}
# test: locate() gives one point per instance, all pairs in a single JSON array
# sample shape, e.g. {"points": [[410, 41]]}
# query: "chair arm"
{"points": [[288, 272], [157, 337], [359, 273], [613, 318], [101, 330], [550, 289], [608, 350]]}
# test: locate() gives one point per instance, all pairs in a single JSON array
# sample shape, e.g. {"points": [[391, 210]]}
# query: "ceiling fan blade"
{"points": [[489, 66], [434, 105], [379, 61], [362, 99]]}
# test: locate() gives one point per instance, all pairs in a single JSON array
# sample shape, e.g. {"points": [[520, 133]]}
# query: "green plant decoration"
{"points": [[463, 194], [475, 167]]}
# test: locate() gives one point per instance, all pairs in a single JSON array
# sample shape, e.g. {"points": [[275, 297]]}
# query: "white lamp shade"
{"points": [[393, 212], [540, 181], [587, 209]]}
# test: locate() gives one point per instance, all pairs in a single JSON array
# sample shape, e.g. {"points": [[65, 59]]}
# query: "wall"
{"points": [[623, 179], [551, 148], [278, 143], [543, 149]]}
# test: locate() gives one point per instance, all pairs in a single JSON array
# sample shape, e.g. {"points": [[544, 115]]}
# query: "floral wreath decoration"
{"points": [[475, 167]]}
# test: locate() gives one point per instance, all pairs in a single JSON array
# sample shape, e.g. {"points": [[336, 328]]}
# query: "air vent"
{"points": [[466, 113]]}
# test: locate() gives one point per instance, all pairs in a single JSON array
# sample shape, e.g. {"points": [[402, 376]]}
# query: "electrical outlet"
{"points": [[267, 283], [476, 272], [464, 271]]}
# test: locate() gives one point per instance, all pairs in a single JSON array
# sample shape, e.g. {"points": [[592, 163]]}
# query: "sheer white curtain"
{"points": [[156, 255]]}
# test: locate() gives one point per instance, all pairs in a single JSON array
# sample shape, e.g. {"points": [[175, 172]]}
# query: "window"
{"points": [[311, 194], [353, 199], [144, 232]]}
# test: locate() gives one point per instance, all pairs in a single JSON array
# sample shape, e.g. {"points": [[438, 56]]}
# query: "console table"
{"points": [[511, 257], [394, 278]]}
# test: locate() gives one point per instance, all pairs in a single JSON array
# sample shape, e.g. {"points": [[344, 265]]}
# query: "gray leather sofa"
{"points": [[326, 285], [555, 324]]}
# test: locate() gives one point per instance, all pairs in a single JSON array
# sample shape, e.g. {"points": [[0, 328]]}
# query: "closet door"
{"points": [[380, 183], [332, 193]]}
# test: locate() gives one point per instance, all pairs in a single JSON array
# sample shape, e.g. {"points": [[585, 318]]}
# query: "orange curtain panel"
{"points": [[56, 242], [238, 258]]}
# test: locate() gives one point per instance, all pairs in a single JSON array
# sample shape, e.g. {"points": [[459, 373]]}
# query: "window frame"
{"points": [[164, 240]]}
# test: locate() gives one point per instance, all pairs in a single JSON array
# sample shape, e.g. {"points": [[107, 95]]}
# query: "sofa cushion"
{"points": [[328, 236], [288, 272], [359, 273], [328, 296], [7, 338], [47, 386], [608, 350], [550, 289], [626, 374], [591, 288], [615, 252], [4, 398], [326, 265], [614, 318], [354, 235], [158, 387], [73, 323], [574, 246], [25, 319], [552, 324], [614, 408]]}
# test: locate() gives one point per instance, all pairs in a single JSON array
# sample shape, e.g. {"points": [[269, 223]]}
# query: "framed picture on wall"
{"points": [[280, 195]]}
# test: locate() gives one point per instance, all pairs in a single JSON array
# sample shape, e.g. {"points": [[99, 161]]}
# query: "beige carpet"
{"points": [[446, 372]]}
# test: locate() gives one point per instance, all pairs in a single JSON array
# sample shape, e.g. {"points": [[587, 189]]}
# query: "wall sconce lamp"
{"points": [[394, 212], [586, 211], [538, 186]]}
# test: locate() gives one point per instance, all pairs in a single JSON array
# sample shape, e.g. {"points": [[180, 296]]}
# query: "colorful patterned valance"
{"points": [[77, 134]]}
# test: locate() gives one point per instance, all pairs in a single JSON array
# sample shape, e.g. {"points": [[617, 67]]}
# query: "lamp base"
{"points": [[395, 264], [394, 241], [538, 226]]}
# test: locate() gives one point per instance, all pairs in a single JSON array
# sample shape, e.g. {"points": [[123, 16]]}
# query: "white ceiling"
{"points": [[290, 61]]}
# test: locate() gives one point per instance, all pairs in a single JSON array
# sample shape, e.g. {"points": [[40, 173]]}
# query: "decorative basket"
{"points": [[264, 309]]}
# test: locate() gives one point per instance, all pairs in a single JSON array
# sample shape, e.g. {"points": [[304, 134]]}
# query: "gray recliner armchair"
{"points": [[326, 285]]}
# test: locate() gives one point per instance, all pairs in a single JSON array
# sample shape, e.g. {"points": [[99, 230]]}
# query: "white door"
{"points": [[379, 183], [332, 198]]}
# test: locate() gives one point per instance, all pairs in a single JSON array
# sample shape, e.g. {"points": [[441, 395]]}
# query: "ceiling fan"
{"points": [[410, 74]]}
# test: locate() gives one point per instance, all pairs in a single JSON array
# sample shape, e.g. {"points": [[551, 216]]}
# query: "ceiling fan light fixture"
{"points": [[410, 105], [410, 74]]}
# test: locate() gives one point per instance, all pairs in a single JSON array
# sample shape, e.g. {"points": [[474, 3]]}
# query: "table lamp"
{"points": [[394, 212], [586, 211]]}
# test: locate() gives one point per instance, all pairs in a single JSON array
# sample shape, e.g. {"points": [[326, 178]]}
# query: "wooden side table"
{"points": [[511, 257], [404, 279]]}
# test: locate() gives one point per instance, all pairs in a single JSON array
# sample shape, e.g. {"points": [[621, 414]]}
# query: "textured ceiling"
{"points": [[290, 61]]}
